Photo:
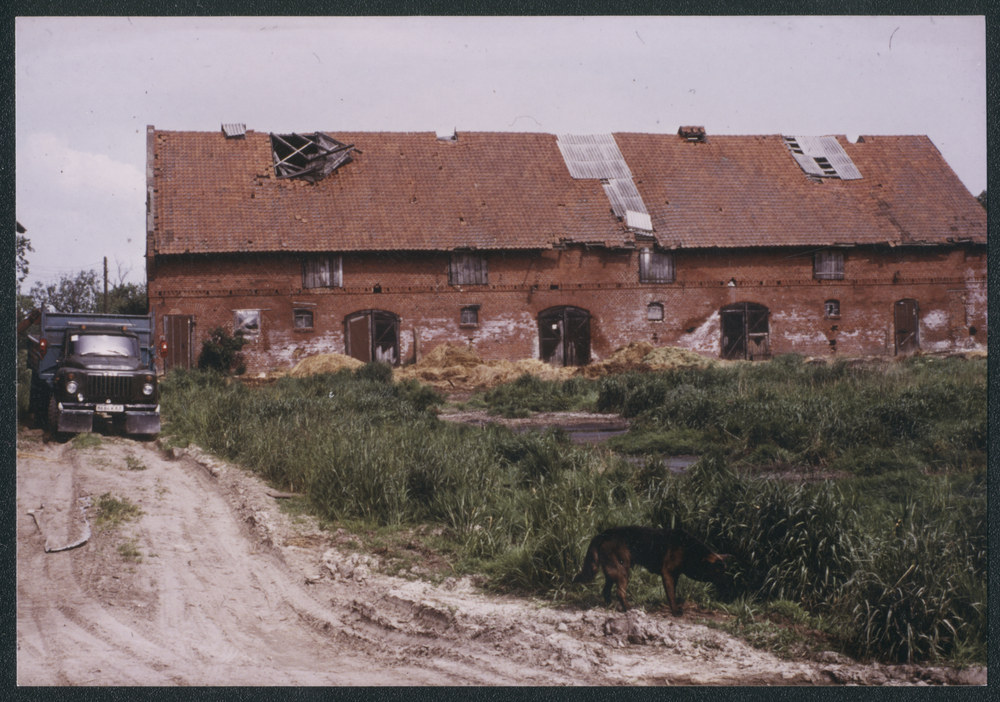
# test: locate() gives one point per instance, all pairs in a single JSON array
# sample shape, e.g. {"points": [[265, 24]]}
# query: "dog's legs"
{"points": [[622, 586], [668, 587], [608, 582]]}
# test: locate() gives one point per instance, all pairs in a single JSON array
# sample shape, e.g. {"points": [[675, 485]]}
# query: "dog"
{"points": [[670, 553]]}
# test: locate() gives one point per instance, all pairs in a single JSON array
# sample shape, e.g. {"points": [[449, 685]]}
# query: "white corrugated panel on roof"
{"points": [[807, 149], [624, 196], [593, 156], [638, 220], [234, 130]]}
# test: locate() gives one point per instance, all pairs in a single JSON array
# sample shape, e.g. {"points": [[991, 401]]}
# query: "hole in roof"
{"points": [[309, 157]]}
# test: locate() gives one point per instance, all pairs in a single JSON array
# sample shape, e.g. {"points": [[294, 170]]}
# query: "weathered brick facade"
{"points": [[946, 280]]}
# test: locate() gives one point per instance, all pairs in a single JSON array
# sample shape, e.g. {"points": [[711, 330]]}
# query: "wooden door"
{"points": [[746, 331], [564, 336], [373, 335], [178, 330], [907, 327]]}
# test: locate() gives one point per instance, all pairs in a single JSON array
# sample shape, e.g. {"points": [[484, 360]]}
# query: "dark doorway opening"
{"points": [[373, 335], [746, 333], [907, 327], [178, 331], [564, 336]]}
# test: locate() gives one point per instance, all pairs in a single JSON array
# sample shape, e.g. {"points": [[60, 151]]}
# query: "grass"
{"points": [[891, 560], [921, 413], [129, 551], [113, 511], [133, 463], [529, 394], [87, 440]]}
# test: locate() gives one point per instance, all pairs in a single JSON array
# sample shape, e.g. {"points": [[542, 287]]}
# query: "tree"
{"points": [[982, 199], [24, 305], [71, 294], [23, 247], [127, 298]]}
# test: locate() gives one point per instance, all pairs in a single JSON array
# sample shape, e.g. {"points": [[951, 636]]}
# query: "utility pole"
{"points": [[105, 285]]}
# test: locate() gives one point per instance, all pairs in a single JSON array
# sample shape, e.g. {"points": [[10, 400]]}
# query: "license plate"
{"points": [[110, 408]]}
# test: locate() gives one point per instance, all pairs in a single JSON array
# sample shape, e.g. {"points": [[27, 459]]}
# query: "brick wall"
{"points": [[947, 283]]}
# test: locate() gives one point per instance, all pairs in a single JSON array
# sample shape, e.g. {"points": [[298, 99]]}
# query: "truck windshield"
{"points": [[103, 345]]}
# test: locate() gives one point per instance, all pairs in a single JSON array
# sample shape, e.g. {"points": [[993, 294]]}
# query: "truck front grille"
{"points": [[109, 387]]}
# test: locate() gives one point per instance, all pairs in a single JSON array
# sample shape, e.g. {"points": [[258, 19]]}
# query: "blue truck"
{"points": [[94, 365]]}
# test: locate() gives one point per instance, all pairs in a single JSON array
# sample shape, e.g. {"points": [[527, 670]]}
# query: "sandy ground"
{"points": [[232, 591]]}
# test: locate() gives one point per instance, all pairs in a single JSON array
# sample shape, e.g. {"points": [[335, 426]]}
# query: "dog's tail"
{"points": [[591, 566]]}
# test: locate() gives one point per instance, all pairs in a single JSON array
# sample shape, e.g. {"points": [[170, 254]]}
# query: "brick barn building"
{"points": [[384, 245]]}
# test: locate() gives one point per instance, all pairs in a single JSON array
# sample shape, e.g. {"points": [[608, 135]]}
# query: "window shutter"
{"points": [[829, 265], [656, 266], [467, 269], [322, 272], [337, 271]]}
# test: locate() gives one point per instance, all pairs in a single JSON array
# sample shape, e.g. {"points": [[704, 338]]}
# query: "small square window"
{"points": [[247, 322], [831, 308], [470, 316], [654, 312], [828, 265], [303, 319]]}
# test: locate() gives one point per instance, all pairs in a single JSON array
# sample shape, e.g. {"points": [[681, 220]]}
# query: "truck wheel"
{"points": [[40, 395], [53, 416]]}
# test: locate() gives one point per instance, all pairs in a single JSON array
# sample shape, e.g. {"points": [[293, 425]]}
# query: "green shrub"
{"points": [[220, 352], [376, 371], [531, 394]]}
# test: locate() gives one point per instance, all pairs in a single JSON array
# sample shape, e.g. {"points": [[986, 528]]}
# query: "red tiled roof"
{"points": [[748, 191], [410, 191]]}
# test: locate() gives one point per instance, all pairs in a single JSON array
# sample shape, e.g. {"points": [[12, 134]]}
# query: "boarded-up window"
{"points": [[467, 269], [303, 319], [247, 321], [322, 272], [656, 266], [654, 312], [470, 316], [828, 265]]}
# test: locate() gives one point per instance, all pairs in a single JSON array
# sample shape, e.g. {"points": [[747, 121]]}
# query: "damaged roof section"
{"points": [[593, 156], [311, 157], [822, 156], [597, 156]]}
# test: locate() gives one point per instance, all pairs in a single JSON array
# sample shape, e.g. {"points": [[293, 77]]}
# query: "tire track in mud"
{"points": [[201, 608]]}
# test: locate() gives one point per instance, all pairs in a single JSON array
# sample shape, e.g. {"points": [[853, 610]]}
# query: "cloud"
{"points": [[49, 159]]}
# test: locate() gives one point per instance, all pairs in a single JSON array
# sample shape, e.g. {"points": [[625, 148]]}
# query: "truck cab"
{"points": [[88, 365]]}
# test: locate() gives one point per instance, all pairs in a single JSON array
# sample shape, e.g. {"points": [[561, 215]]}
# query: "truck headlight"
{"points": [[72, 387], [148, 389]]}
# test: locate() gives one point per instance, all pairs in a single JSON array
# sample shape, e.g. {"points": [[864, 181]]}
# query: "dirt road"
{"points": [[213, 585]]}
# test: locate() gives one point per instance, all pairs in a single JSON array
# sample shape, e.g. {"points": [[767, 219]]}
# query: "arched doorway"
{"points": [[906, 313], [564, 336], [372, 335], [746, 332]]}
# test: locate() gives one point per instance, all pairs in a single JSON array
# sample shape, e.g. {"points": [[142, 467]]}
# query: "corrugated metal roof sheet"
{"points": [[234, 130], [638, 220], [822, 156], [624, 196], [593, 156]]}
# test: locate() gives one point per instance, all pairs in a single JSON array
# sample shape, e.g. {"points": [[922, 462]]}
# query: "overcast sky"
{"points": [[86, 88]]}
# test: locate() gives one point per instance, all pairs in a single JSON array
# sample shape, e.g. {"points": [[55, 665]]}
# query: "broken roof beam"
{"points": [[300, 163]]}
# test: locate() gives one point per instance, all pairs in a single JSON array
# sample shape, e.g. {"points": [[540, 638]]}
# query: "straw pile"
{"points": [[675, 357], [324, 363], [451, 366]]}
